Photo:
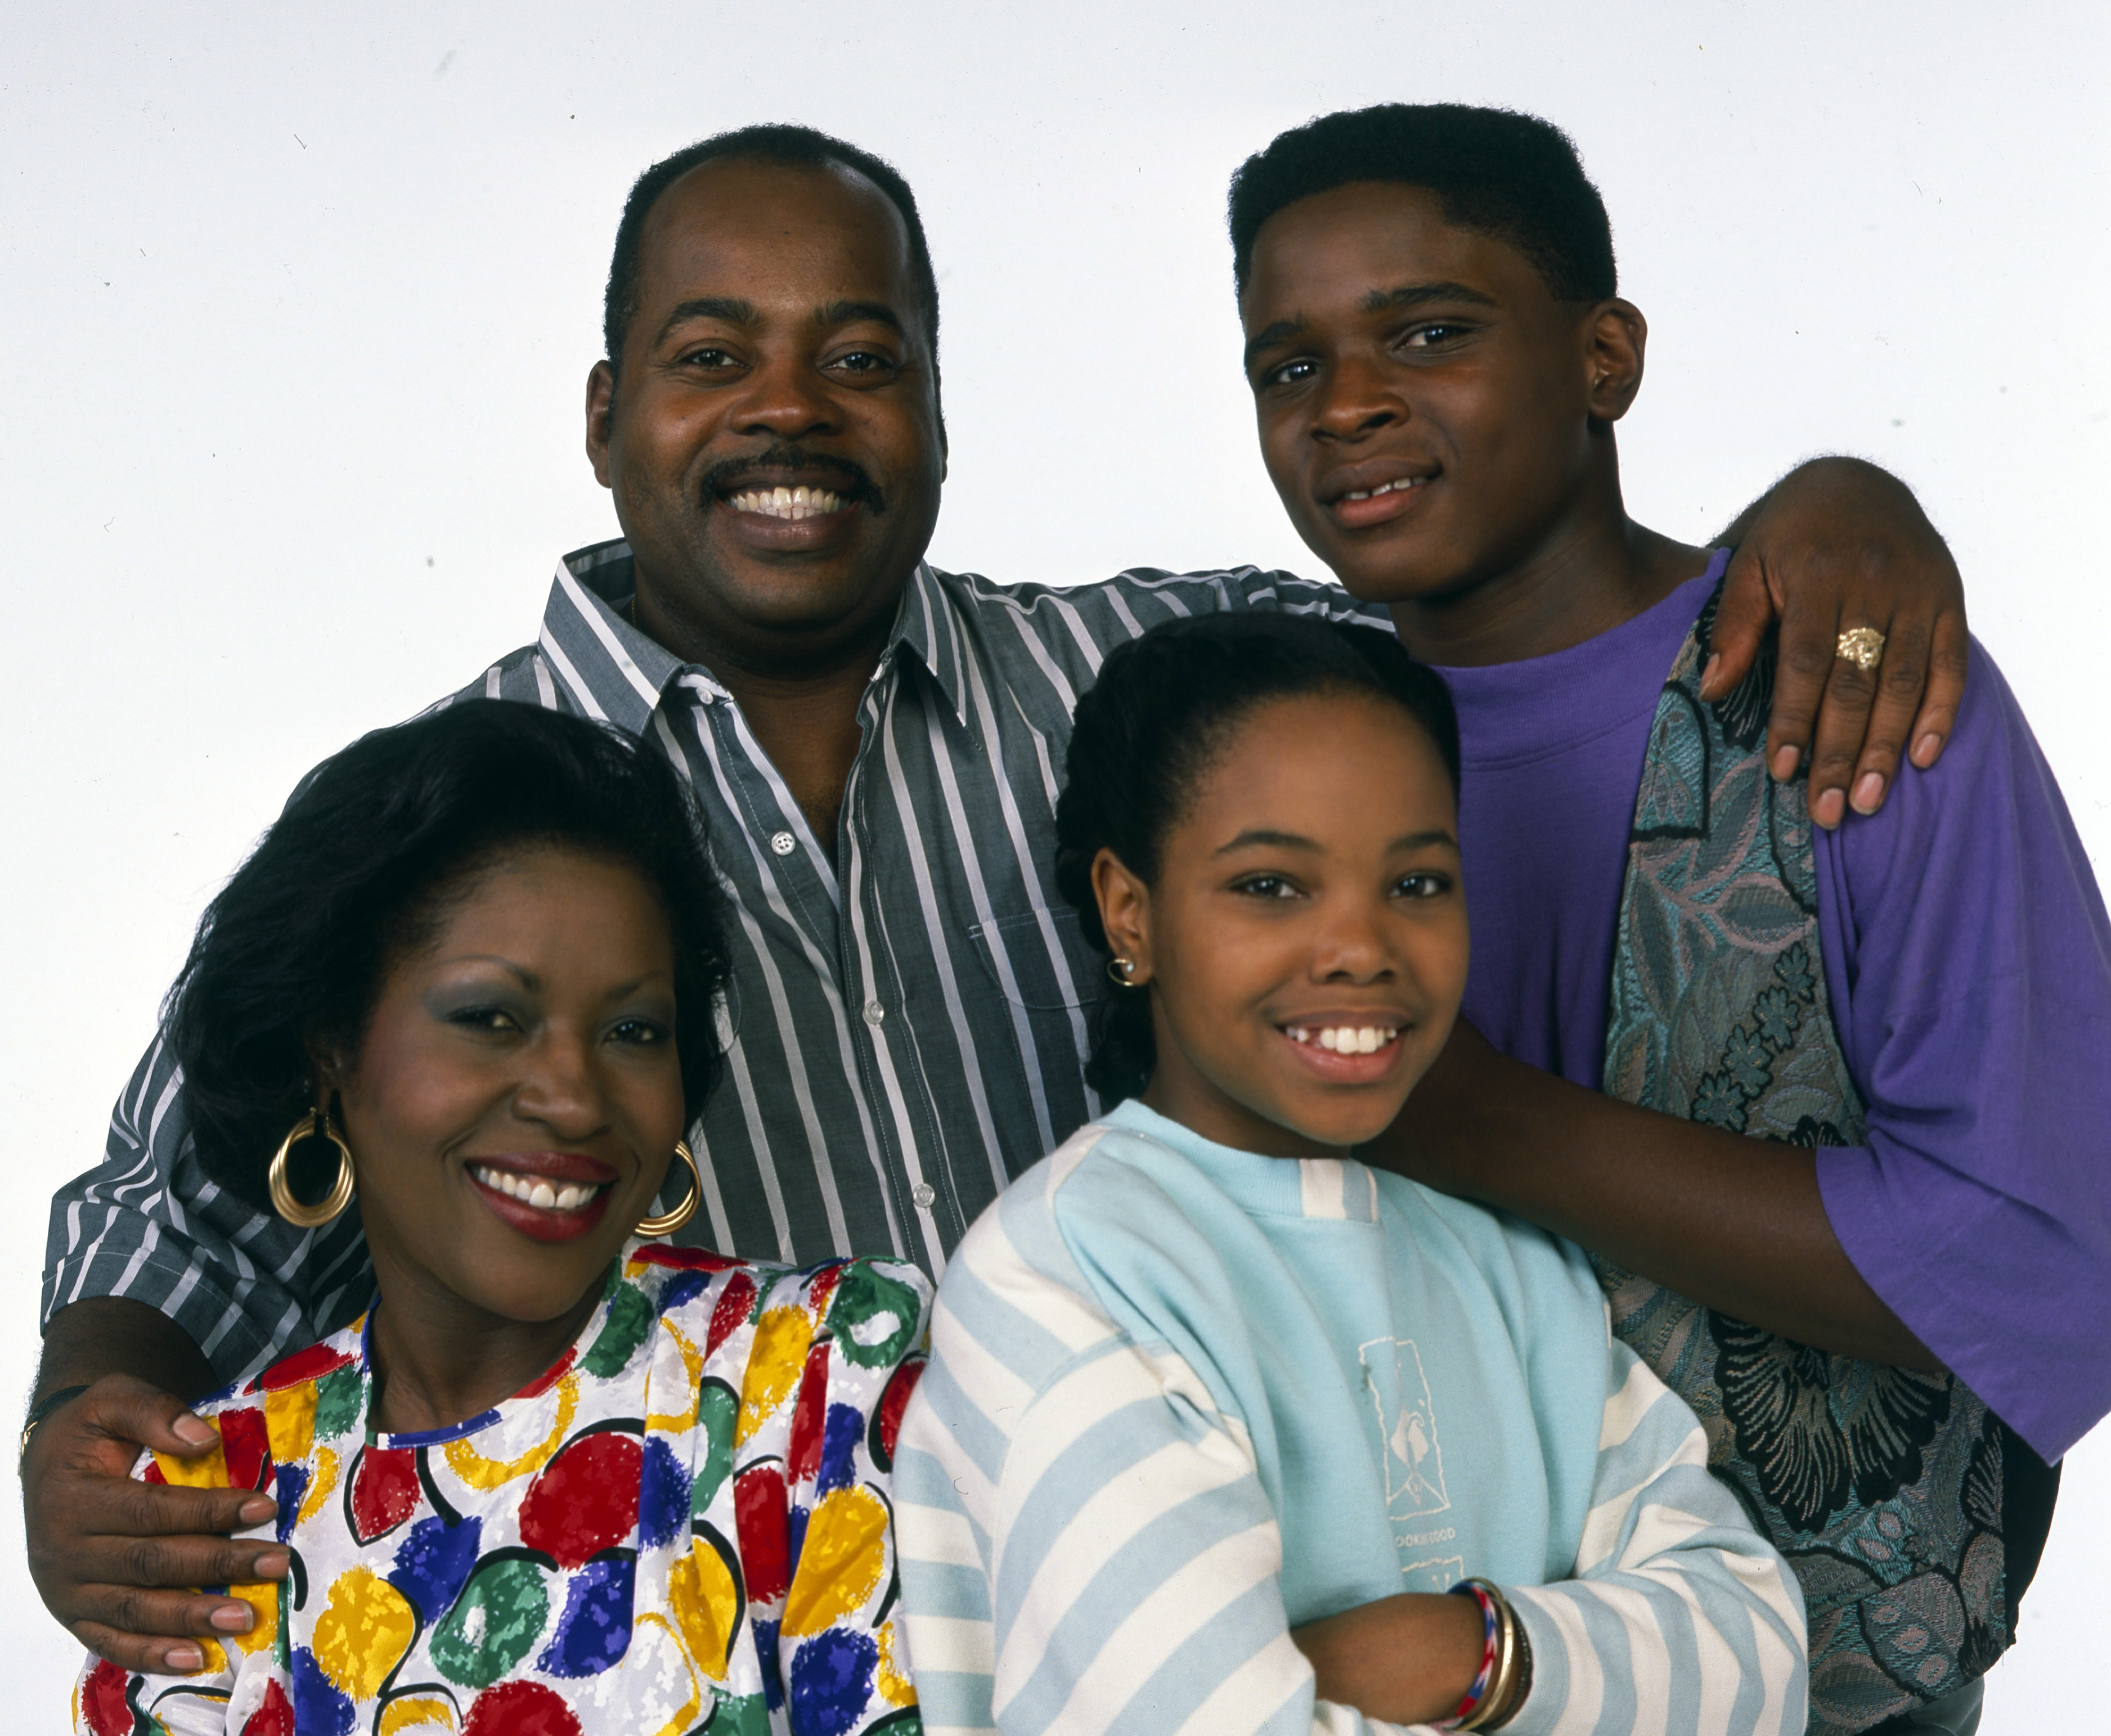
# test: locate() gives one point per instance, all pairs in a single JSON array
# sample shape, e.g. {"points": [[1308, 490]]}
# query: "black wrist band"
{"points": [[39, 1411]]}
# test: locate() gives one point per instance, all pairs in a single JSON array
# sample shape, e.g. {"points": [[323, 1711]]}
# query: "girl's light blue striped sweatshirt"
{"points": [[1184, 1398]]}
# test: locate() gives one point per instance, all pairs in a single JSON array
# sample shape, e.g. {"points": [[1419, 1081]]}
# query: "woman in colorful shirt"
{"points": [[560, 1477]]}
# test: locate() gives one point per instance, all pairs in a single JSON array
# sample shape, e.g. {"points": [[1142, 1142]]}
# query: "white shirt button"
{"points": [[875, 1015], [924, 1193], [784, 843]]}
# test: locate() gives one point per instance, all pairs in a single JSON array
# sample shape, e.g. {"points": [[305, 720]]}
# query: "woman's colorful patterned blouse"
{"points": [[684, 1523]]}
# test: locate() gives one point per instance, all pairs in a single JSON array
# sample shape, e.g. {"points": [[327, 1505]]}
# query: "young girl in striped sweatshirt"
{"points": [[1224, 1432]]}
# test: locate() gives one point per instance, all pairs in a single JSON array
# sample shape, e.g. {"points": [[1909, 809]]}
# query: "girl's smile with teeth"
{"points": [[1346, 1040]]}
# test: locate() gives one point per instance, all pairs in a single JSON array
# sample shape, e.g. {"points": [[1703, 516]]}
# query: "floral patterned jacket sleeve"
{"points": [[685, 1521]]}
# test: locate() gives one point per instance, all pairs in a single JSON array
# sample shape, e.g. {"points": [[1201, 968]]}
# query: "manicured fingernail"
{"points": [[1708, 674], [1828, 809], [274, 1566], [1926, 749], [182, 1660], [233, 1618], [1868, 793], [193, 1430], [1784, 763], [258, 1508]]}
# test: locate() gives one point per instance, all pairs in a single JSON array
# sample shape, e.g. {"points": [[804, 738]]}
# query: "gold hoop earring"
{"points": [[315, 1125], [668, 1223], [1122, 973]]}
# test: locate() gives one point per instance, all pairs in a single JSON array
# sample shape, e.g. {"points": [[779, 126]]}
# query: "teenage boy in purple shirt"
{"points": [[1438, 356]]}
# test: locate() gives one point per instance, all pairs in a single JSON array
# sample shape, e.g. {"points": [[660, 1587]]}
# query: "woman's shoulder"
{"points": [[808, 1369], [273, 1418], [731, 1312]]}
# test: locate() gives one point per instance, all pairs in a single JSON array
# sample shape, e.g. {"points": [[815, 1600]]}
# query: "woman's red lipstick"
{"points": [[548, 1196]]}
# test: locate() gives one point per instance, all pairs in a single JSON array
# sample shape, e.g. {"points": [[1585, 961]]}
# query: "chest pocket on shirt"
{"points": [[1038, 959]]}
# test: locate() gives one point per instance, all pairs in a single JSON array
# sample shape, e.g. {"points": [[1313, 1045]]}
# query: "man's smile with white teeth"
{"points": [[802, 502], [1343, 1040], [534, 1190], [1392, 487]]}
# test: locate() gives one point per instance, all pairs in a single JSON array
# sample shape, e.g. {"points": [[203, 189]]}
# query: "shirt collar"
{"points": [[611, 669], [616, 672], [1266, 1179], [930, 625], [1281, 1187]]}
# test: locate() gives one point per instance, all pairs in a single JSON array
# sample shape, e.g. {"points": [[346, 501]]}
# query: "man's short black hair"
{"points": [[768, 143], [1512, 176]]}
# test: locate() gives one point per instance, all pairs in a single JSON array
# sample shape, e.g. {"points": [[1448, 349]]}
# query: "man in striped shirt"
{"points": [[874, 743]]}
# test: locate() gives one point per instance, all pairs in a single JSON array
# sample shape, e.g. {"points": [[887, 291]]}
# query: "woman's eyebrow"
{"points": [[1419, 840], [639, 982], [527, 978]]}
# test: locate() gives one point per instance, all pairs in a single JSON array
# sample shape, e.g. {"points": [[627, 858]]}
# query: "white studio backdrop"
{"points": [[300, 302]]}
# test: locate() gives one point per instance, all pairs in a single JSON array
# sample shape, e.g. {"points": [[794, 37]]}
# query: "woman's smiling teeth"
{"points": [[1405, 483], [1343, 1040], [786, 503], [533, 1190]]}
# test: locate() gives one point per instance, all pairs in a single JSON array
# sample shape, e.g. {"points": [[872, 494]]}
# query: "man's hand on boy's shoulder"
{"points": [[1839, 545]]}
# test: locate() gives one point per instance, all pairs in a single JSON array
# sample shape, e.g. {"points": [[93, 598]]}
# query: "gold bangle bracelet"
{"points": [[1516, 1684]]}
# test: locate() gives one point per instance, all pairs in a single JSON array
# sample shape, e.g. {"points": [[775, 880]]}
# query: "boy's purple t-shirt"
{"points": [[1968, 959]]}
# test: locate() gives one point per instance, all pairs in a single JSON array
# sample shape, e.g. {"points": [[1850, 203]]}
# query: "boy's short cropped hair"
{"points": [[1514, 176]]}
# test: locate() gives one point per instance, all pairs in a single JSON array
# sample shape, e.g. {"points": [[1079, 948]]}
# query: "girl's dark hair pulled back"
{"points": [[1145, 733], [289, 959]]}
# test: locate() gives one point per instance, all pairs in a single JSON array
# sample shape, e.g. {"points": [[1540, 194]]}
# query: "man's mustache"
{"points": [[772, 466]]}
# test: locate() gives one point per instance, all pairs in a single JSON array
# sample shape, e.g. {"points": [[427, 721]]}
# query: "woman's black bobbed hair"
{"points": [[290, 957], [1147, 730]]}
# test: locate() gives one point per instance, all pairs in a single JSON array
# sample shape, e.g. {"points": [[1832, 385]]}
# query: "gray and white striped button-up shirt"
{"points": [[909, 1026]]}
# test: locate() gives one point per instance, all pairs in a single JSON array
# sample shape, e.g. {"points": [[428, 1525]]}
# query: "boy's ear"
{"points": [[1124, 913], [1614, 337]]}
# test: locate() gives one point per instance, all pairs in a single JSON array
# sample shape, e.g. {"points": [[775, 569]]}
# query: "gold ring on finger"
{"points": [[1862, 646]]}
